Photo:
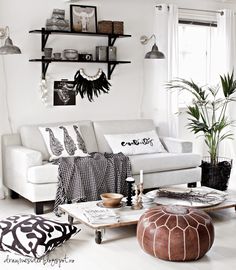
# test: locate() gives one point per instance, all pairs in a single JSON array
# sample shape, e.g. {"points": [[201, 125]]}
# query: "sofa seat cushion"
{"points": [[157, 162], [149, 163], [43, 174]]}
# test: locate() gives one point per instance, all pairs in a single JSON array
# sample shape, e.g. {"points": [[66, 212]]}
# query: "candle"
{"points": [[141, 176], [129, 181]]}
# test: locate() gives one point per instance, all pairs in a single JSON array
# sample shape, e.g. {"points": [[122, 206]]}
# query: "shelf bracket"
{"points": [[44, 40], [111, 40], [110, 69], [44, 69]]}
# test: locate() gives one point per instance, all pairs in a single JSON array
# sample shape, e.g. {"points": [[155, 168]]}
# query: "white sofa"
{"points": [[27, 172]]}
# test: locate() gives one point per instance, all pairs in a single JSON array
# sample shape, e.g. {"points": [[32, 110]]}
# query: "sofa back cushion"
{"points": [[102, 128], [32, 138]]}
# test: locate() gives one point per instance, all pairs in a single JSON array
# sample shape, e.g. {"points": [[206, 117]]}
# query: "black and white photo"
{"points": [[83, 18], [64, 93]]}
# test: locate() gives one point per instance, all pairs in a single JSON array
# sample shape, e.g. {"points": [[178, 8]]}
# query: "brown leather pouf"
{"points": [[175, 233]]}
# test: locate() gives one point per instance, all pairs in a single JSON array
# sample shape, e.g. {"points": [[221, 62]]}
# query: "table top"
{"points": [[199, 197], [129, 216]]}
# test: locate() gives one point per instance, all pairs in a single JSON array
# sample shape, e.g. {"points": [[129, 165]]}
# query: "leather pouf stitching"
{"points": [[175, 233]]}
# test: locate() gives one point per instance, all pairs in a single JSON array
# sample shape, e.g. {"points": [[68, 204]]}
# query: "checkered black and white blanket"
{"points": [[85, 178]]}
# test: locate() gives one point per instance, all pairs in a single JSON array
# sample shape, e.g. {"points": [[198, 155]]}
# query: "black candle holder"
{"points": [[130, 181]]}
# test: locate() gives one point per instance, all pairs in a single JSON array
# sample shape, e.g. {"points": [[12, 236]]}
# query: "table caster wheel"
{"points": [[70, 219], [98, 237]]}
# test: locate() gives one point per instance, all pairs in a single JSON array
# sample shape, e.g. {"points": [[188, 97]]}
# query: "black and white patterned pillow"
{"points": [[32, 235], [64, 141]]}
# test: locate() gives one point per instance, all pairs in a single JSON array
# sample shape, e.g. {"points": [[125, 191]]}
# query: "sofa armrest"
{"points": [[174, 145], [21, 158], [17, 160], [10, 139]]}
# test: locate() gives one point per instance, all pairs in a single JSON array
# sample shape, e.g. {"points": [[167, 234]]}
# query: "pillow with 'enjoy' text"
{"points": [[135, 143]]}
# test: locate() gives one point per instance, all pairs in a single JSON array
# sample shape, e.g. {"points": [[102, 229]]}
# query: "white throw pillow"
{"points": [[64, 141], [136, 143]]}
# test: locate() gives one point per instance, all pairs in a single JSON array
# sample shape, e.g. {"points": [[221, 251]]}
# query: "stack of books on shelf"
{"points": [[101, 216]]}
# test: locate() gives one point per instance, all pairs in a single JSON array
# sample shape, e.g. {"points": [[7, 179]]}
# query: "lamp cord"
{"points": [[6, 96]]}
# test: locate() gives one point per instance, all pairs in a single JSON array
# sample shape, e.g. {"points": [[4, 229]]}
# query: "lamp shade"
{"points": [[154, 53], [9, 48]]}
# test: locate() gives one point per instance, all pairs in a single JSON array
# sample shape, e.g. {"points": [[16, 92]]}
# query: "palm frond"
{"points": [[190, 86], [207, 116], [228, 84]]}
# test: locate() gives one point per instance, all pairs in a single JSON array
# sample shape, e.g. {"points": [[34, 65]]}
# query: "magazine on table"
{"points": [[101, 216]]}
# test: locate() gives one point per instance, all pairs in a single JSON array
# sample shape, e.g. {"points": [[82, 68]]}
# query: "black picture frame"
{"points": [[83, 23], [64, 93]]}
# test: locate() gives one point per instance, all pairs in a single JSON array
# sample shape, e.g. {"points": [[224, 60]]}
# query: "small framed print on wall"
{"points": [[64, 93], [83, 18]]}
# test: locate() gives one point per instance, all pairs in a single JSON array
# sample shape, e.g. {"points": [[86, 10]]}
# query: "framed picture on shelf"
{"points": [[83, 18], [64, 93]]}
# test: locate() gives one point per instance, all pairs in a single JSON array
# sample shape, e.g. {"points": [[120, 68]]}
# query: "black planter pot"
{"points": [[216, 176]]}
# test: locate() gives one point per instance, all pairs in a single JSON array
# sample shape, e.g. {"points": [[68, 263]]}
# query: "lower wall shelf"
{"points": [[110, 64]]}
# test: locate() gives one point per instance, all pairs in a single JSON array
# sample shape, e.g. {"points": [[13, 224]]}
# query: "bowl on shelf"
{"points": [[70, 54], [111, 199]]}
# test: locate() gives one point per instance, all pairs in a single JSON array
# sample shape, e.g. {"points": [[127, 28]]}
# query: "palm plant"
{"points": [[208, 113]]}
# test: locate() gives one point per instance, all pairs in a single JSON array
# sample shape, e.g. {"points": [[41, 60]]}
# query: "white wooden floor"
{"points": [[120, 249]]}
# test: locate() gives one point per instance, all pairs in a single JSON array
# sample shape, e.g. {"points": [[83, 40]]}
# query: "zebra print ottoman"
{"points": [[175, 233]]}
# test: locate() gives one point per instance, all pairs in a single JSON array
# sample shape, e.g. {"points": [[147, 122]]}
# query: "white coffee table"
{"points": [[127, 216]]}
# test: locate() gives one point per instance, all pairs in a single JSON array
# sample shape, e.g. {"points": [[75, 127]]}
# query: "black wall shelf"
{"points": [[45, 63], [45, 34], [44, 38]]}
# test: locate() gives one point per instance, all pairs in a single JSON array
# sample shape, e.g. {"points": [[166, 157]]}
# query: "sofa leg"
{"points": [[38, 208], [192, 185], [14, 195]]}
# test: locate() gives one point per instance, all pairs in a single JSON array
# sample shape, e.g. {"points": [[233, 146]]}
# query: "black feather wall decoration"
{"points": [[91, 85]]}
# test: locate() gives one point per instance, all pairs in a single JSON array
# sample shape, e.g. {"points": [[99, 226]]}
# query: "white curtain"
{"points": [[226, 30], [173, 52], [227, 53], [169, 16]]}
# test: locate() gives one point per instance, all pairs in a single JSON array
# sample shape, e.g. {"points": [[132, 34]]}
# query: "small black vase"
{"points": [[216, 176]]}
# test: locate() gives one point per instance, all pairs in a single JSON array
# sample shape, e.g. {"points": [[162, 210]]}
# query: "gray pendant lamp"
{"points": [[154, 53], [8, 47]]}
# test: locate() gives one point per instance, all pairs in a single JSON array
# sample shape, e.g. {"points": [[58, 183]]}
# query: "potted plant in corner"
{"points": [[208, 117]]}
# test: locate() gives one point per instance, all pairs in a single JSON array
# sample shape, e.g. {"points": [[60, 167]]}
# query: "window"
{"points": [[197, 56]]}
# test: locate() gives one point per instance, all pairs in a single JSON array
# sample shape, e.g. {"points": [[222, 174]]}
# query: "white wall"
{"points": [[21, 79]]}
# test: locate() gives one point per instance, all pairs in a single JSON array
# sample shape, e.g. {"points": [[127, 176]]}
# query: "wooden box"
{"points": [[118, 28], [105, 27]]}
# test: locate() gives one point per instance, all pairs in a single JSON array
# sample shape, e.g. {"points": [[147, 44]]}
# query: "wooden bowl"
{"points": [[111, 199]]}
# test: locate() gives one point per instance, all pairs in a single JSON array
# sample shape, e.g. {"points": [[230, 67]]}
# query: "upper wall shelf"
{"points": [[45, 34]]}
